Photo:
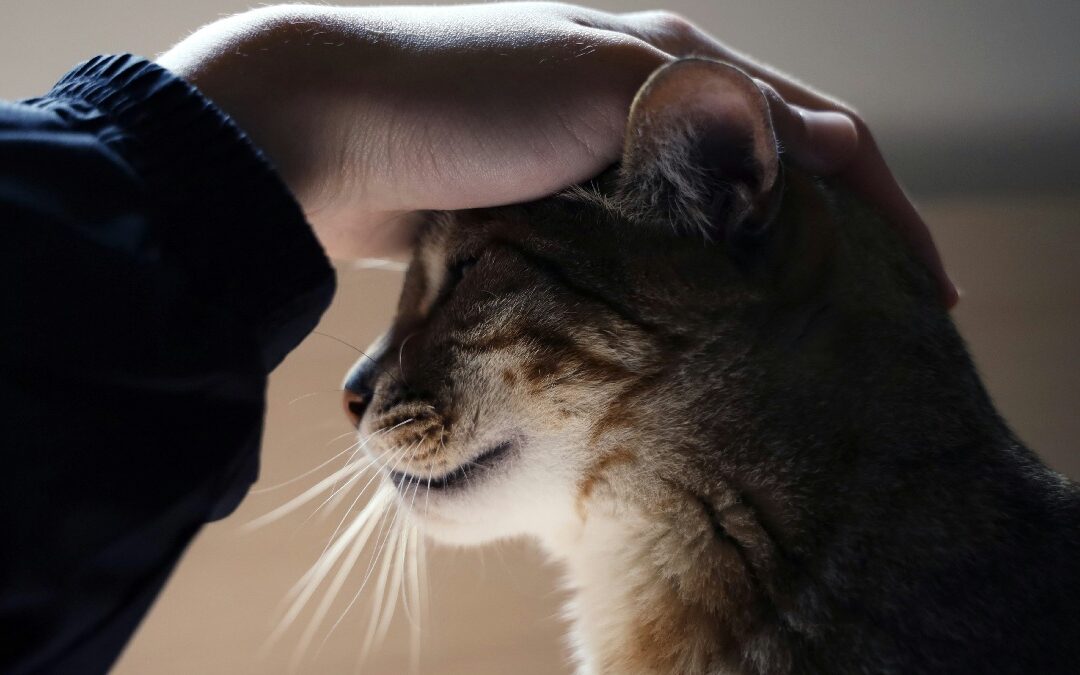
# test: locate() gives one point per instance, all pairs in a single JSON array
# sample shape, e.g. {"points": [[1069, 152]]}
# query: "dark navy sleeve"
{"points": [[153, 270]]}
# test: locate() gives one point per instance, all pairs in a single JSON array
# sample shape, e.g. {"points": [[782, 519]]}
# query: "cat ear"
{"points": [[700, 151]]}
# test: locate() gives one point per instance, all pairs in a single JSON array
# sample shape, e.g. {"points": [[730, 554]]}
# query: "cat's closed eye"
{"points": [[456, 271], [460, 268]]}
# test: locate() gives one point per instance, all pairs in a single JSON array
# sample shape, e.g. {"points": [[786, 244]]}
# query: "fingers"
{"points": [[822, 141], [871, 178], [671, 33], [828, 143], [817, 132]]}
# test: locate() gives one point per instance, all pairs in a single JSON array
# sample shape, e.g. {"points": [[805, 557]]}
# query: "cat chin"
{"points": [[502, 509], [456, 534], [465, 530], [530, 492]]}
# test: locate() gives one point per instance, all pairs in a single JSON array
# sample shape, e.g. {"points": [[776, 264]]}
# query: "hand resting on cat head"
{"points": [[479, 105], [722, 393]]}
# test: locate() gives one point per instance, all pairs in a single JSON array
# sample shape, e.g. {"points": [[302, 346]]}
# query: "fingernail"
{"points": [[953, 295]]}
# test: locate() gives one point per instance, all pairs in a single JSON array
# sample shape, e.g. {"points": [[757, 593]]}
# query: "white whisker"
{"points": [[314, 393], [394, 588], [408, 528], [312, 492], [312, 470], [397, 564], [401, 352], [334, 535], [296, 502], [389, 491], [381, 542], [338, 496], [314, 577], [377, 608], [417, 622], [358, 472], [373, 478], [346, 567], [425, 609]]}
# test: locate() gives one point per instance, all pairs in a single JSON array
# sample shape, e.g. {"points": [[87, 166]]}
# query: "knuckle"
{"points": [[862, 127], [672, 24], [855, 116], [635, 52]]}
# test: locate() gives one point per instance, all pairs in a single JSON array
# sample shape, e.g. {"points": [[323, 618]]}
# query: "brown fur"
{"points": [[595, 475], [802, 472]]}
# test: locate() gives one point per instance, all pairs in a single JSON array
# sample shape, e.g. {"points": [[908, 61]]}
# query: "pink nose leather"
{"points": [[354, 406]]}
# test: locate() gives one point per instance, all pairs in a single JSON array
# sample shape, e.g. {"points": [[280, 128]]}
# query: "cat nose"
{"points": [[359, 387], [355, 404]]}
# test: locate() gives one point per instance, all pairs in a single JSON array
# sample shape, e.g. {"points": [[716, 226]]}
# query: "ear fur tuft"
{"points": [[700, 151]]}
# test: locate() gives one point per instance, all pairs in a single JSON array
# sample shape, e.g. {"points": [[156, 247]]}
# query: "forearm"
{"points": [[260, 69], [374, 113], [304, 82]]}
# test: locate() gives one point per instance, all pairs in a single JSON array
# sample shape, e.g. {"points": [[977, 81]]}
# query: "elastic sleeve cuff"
{"points": [[229, 224]]}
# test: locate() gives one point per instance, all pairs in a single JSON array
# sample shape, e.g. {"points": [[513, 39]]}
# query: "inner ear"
{"points": [[700, 149]]}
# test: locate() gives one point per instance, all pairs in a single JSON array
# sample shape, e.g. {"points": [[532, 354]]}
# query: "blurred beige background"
{"points": [[976, 103]]}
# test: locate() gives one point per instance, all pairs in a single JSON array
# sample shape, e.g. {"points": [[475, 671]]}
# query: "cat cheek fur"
{"points": [[550, 479], [485, 388]]}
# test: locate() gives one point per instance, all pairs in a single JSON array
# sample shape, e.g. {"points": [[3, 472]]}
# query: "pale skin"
{"points": [[372, 114]]}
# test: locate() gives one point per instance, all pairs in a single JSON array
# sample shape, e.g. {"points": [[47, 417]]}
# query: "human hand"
{"points": [[373, 114], [822, 134]]}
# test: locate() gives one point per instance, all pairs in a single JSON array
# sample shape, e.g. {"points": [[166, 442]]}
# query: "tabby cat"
{"points": [[725, 395]]}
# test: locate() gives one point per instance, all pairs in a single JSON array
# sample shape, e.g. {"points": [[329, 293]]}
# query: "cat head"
{"points": [[563, 355]]}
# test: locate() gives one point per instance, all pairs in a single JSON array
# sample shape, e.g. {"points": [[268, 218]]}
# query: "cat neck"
{"points": [[684, 577], [627, 611]]}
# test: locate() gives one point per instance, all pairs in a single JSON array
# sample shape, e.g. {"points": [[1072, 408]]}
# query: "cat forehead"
{"points": [[561, 234], [567, 215], [446, 238], [579, 235]]}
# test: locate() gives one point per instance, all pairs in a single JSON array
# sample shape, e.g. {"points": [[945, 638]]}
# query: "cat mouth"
{"points": [[465, 474]]}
